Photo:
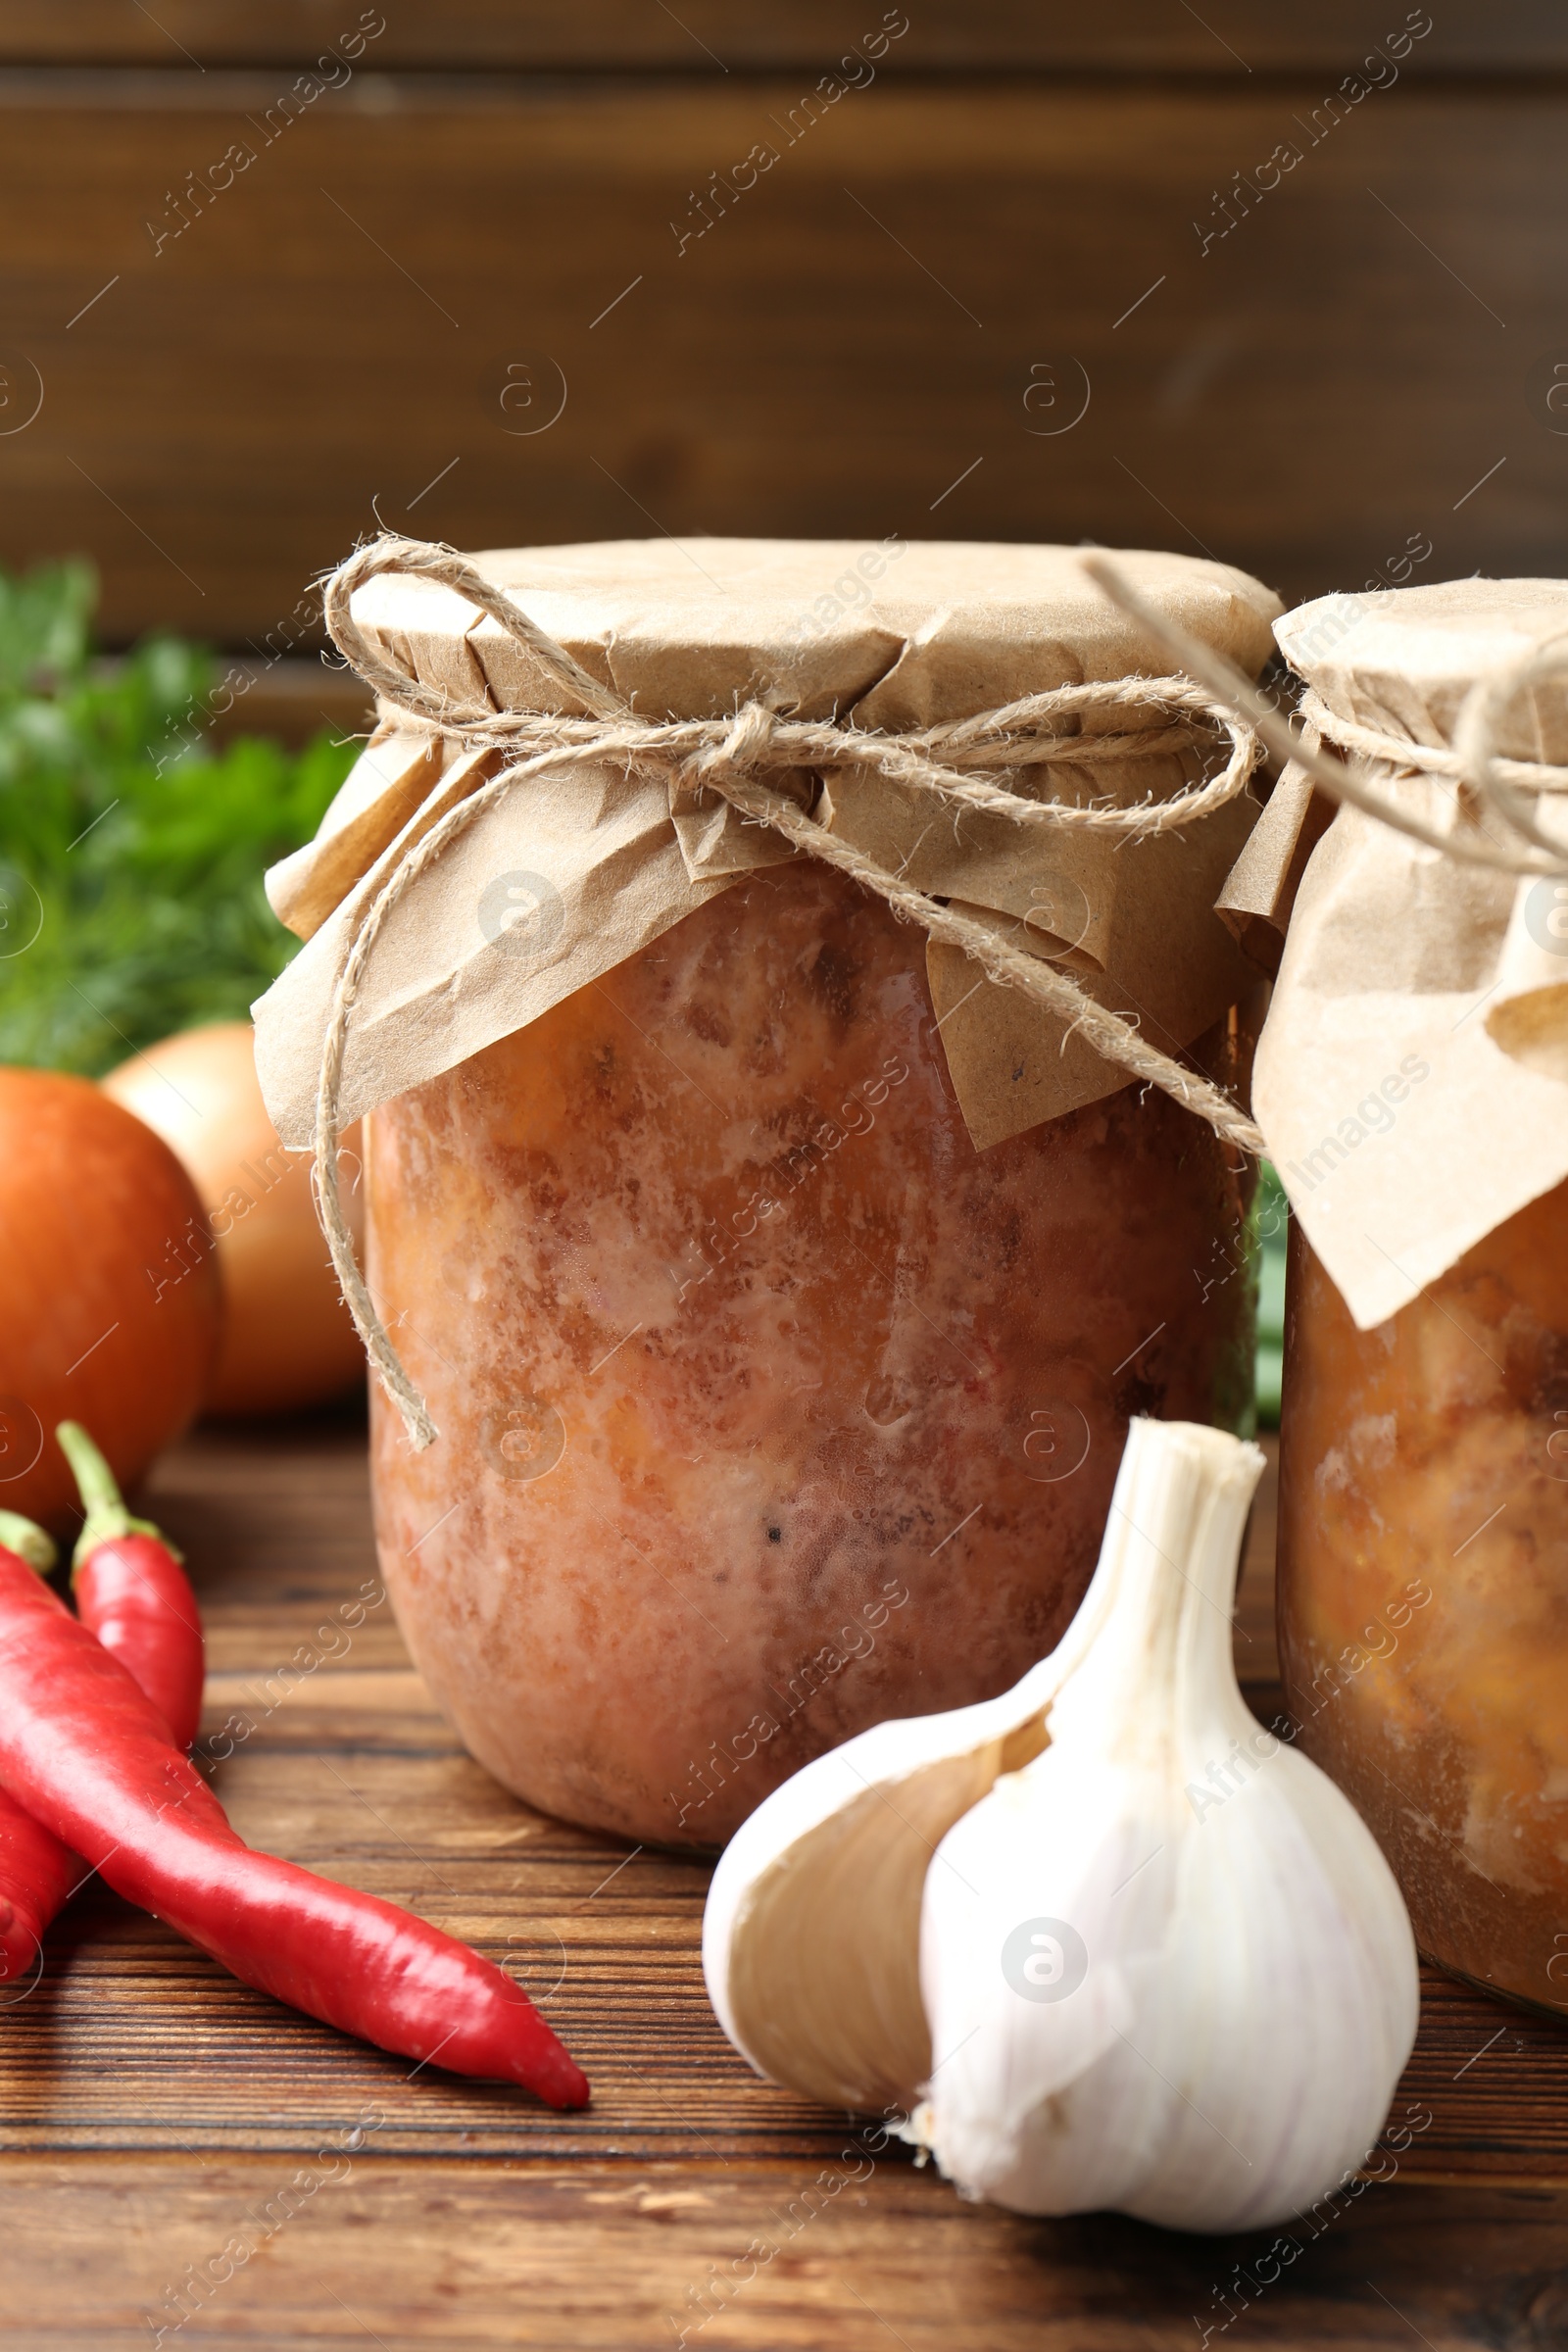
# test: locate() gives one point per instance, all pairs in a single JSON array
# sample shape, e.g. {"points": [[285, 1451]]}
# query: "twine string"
{"points": [[742, 759]]}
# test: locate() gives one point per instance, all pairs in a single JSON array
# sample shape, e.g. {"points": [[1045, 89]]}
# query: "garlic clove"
{"points": [[810, 1938], [1223, 1988]]}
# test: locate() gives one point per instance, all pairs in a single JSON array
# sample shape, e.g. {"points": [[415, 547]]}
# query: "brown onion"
{"points": [[288, 1340], [111, 1301]]}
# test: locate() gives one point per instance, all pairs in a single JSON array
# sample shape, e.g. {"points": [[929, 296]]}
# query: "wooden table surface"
{"points": [[160, 2123]]}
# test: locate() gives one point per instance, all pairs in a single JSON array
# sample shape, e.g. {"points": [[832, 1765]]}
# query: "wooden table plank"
{"points": [[149, 2104], [473, 2255]]}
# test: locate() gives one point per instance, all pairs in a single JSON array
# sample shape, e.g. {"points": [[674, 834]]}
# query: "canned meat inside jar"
{"points": [[770, 1408], [1424, 1587]]}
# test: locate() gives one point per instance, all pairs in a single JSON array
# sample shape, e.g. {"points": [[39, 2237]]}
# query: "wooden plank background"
{"points": [[1124, 37], [889, 332], [151, 2107]]}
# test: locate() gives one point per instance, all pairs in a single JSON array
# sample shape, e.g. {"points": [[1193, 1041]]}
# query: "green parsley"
{"points": [[131, 852]]}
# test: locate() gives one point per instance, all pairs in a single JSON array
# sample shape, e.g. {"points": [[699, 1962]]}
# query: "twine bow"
{"points": [[745, 758]]}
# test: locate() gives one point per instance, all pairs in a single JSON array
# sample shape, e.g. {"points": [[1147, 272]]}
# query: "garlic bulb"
{"points": [[1132, 1950]]}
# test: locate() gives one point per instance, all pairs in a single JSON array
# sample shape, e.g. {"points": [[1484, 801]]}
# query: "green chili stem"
{"points": [[27, 1541], [102, 1500]]}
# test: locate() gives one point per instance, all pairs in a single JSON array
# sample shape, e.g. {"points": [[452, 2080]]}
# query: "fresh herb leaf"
{"points": [[131, 854], [1272, 1215]]}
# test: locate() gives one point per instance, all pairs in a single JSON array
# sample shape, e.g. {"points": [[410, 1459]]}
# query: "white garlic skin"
{"points": [[1249, 1990]]}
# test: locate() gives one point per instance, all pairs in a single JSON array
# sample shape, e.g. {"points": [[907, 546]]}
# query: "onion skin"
{"points": [[288, 1340], [111, 1298]]}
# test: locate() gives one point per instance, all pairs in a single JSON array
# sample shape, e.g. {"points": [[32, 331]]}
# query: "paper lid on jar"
{"points": [[900, 632], [1403, 659], [889, 635], [1412, 1076]]}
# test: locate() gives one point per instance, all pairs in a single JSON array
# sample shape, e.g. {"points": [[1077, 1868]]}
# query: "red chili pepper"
{"points": [[37, 1876], [89, 1756], [132, 1592], [36, 1872]]}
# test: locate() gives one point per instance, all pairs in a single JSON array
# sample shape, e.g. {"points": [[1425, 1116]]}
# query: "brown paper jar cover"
{"points": [[770, 1404], [1406, 1121], [601, 860]]}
